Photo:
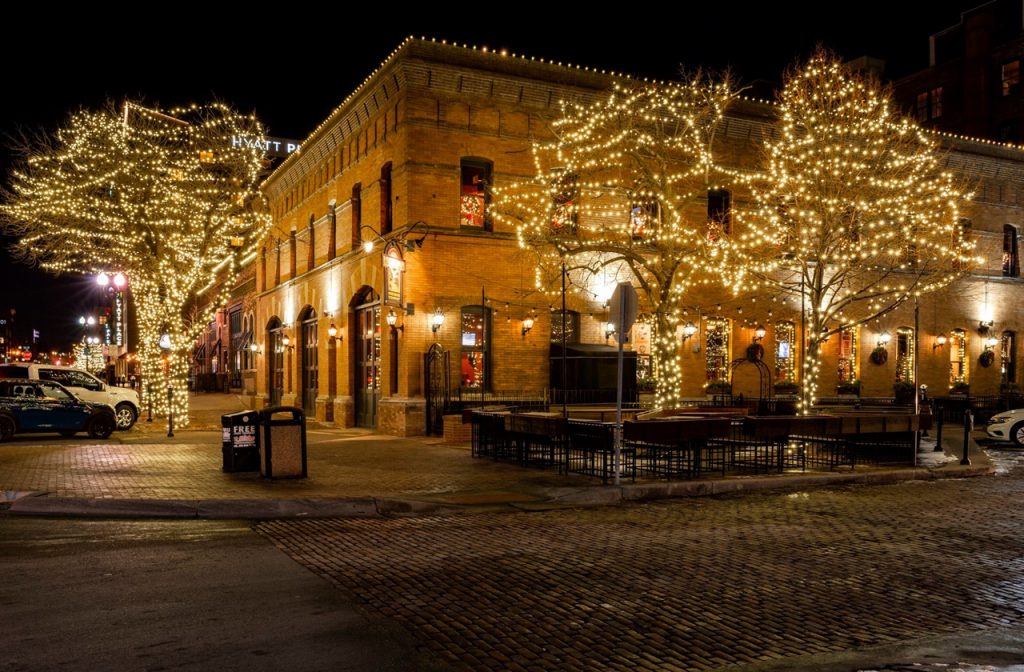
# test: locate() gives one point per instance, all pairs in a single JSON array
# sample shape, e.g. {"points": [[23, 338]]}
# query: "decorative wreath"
{"points": [[879, 356], [986, 358], [755, 352]]}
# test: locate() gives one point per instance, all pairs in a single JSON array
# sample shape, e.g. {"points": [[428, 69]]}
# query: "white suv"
{"points": [[85, 386]]}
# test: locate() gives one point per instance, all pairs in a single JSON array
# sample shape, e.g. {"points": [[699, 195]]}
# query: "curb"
{"points": [[37, 504]]}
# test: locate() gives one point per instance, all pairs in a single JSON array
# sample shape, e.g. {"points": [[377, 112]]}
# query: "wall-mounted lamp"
{"points": [[689, 329], [286, 341], [759, 333], [984, 326], [436, 320], [991, 342], [940, 341], [883, 339], [332, 331], [609, 330], [255, 349], [527, 325], [392, 320]]}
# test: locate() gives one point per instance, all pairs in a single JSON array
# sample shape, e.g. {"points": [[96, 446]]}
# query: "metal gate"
{"points": [[437, 386]]}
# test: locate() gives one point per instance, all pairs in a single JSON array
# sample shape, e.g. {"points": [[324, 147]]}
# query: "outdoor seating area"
{"points": [[690, 443]]}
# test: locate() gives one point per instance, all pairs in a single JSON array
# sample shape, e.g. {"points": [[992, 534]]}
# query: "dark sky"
{"points": [[295, 66]]}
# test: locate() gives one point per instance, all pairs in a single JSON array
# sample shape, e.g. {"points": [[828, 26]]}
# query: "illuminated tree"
{"points": [[167, 198], [853, 214], [620, 195]]}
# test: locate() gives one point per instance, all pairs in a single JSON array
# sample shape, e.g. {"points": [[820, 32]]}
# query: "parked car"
{"points": [[28, 405], [1007, 426], [85, 386]]}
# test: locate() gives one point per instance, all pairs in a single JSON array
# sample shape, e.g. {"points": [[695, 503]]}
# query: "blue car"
{"points": [[45, 406]]}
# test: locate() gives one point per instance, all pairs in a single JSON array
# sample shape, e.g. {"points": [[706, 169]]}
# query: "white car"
{"points": [[1007, 426], [83, 385]]}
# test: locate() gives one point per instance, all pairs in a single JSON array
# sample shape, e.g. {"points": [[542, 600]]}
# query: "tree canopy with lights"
{"points": [[620, 194], [169, 198], [853, 213]]}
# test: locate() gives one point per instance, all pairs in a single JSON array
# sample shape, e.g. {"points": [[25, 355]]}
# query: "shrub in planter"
{"points": [[904, 391], [961, 389], [848, 387], [719, 387]]}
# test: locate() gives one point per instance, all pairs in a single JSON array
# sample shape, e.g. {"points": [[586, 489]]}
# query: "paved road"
{"points": [[847, 577], [89, 595]]}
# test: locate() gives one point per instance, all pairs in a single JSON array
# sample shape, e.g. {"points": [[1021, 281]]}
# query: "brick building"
{"points": [[403, 163]]}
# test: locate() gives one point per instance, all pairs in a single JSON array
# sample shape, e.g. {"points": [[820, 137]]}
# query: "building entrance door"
{"points": [[309, 367]]}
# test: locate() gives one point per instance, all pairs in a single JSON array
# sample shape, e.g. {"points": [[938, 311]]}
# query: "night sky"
{"points": [[292, 68]]}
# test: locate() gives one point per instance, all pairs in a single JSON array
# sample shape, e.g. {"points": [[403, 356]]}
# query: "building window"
{"points": [[565, 204], [1007, 358], [936, 102], [720, 210], [966, 228], [846, 371], [385, 199], [641, 218], [1011, 254], [476, 347], [905, 355], [958, 371], [716, 350], [1011, 78], [357, 214], [473, 195], [785, 355], [922, 107], [572, 326]]}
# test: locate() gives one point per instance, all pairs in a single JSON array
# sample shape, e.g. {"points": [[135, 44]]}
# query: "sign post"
{"points": [[622, 314]]}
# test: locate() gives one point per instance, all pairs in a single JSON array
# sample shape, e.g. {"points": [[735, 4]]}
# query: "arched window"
{"points": [[311, 252], [905, 355], [356, 205], [474, 369], [958, 365], [474, 197], [716, 349], [785, 352]]}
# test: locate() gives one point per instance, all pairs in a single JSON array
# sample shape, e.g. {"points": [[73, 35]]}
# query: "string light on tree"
{"points": [[852, 214], [162, 195], [619, 195]]}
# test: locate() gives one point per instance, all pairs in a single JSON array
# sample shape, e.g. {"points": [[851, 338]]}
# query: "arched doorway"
{"points": [[366, 356], [275, 361], [308, 359]]}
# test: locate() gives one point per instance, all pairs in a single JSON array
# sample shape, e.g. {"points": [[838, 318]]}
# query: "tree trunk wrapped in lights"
{"points": [[620, 195], [853, 213], [169, 198]]}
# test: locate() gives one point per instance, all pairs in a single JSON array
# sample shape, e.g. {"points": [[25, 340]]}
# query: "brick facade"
{"points": [[428, 108]]}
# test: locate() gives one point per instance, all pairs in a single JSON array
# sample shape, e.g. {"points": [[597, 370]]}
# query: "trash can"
{"points": [[284, 442], [241, 441]]}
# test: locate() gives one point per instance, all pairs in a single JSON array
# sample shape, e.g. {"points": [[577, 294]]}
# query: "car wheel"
{"points": [[101, 426], [6, 427], [1017, 434], [126, 416]]}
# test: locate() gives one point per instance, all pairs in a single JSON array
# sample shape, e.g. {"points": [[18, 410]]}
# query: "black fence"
{"points": [[694, 447]]}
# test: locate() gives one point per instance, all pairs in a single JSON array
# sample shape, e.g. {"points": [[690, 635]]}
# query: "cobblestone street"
{"points": [[688, 585]]}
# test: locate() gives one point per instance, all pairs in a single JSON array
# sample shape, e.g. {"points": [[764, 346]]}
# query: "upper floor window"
{"points": [[921, 111], [719, 209], [1011, 77], [357, 214], [936, 102], [565, 204], [641, 217], [385, 199], [473, 195], [1011, 254]]}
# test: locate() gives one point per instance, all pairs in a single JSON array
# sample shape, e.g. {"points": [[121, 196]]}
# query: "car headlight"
{"points": [[999, 419]]}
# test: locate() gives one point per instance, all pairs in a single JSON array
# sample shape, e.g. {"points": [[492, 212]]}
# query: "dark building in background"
{"points": [[972, 85]]}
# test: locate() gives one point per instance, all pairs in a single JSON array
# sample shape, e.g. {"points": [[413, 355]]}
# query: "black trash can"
{"points": [[241, 441], [284, 442]]}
